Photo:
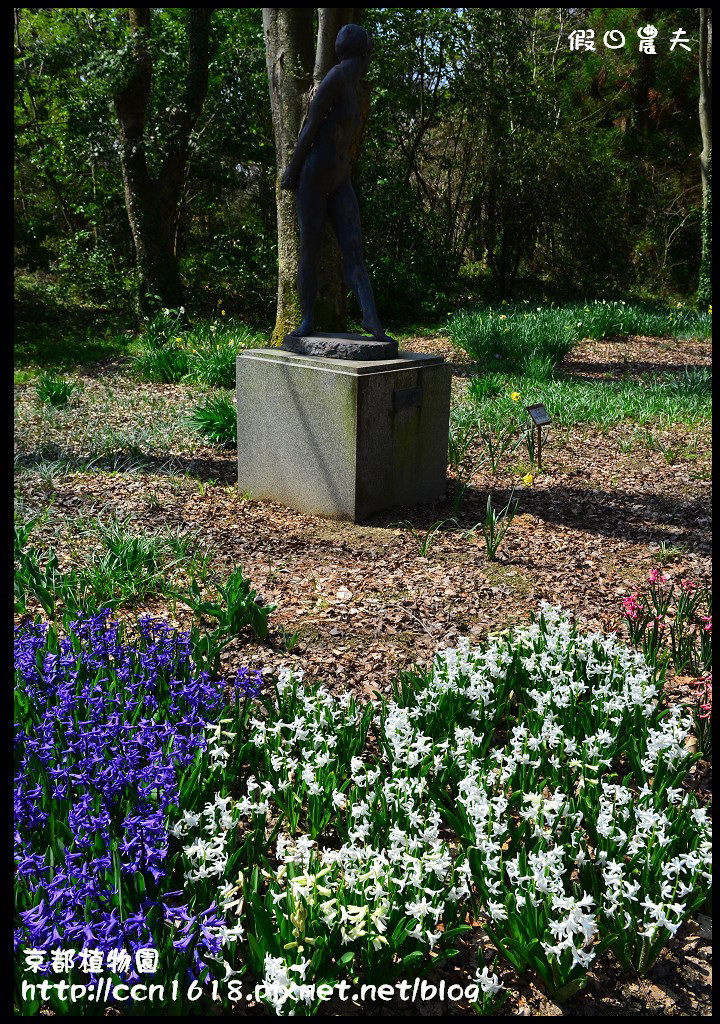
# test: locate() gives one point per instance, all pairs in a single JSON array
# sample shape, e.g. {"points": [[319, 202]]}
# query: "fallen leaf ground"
{"points": [[364, 602]]}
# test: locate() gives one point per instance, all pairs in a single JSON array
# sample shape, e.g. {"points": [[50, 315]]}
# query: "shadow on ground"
{"points": [[130, 461], [633, 517]]}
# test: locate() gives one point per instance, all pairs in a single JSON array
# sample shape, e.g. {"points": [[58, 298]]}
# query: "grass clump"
{"points": [[216, 421], [532, 340], [204, 354], [54, 390], [163, 365], [666, 398], [116, 565]]}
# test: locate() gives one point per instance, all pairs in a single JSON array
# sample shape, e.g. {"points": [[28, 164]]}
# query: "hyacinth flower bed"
{"points": [[278, 839]]}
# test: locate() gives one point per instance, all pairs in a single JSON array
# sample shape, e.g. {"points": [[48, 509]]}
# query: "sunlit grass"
{"points": [[532, 339], [663, 399]]}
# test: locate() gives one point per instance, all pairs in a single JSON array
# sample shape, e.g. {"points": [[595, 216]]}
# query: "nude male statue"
{"points": [[319, 172]]}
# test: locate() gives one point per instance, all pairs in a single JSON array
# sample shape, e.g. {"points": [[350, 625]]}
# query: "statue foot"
{"points": [[376, 331], [305, 328]]}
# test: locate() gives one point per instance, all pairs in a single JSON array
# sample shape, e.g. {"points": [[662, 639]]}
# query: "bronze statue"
{"points": [[319, 172]]}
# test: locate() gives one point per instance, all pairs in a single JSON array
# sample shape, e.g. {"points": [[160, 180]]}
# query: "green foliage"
{"points": [[163, 356], [215, 351], [216, 420], [88, 268], [204, 353], [424, 540], [116, 566], [543, 174], [54, 390], [44, 581], [165, 365], [475, 441], [670, 552], [496, 524], [463, 434], [663, 398], [236, 607], [498, 441], [511, 337], [533, 339], [487, 169], [71, 215], [672, 623], [60, 334]]}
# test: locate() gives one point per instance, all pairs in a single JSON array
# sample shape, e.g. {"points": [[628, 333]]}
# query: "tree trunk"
{"points": [[295, 67], [705, 109], [153, 202], [289, 56]]}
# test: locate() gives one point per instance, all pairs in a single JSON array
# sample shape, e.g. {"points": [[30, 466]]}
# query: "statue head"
{"points": [[353, 41]]}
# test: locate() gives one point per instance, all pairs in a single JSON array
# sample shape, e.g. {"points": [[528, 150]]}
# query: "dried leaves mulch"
{"points": [[363, 602], [364, 599]]}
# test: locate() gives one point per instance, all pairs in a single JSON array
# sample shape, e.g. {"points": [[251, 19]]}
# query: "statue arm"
{"points": [[322, 101]]}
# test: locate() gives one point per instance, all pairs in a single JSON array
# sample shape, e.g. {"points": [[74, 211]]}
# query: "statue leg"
{"points": [[345, 218], [312, 213]]}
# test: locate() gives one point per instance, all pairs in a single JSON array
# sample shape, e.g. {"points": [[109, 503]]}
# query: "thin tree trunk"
{"points": [[153, 202]]}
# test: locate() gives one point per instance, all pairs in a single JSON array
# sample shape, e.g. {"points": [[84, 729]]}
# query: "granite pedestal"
{"points": [[342, 438]]}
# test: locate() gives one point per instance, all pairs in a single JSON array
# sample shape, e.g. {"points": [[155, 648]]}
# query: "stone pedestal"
{"points": [[342, 438]]}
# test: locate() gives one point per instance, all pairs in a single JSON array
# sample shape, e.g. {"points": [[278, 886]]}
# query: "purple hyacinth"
{"points": [[104, 732]]}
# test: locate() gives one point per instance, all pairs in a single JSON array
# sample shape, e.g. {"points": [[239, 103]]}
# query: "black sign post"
{"points": [[538, 415]]}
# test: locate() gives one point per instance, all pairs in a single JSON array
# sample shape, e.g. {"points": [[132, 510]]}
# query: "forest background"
{"points": [[497, 162]]}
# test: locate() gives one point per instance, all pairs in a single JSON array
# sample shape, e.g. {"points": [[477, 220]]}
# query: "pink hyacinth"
{"points": [[706, 707], [655, 576], [632, 607], [707, 620], [688, 586]]}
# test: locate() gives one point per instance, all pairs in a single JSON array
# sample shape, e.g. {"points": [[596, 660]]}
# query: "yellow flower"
{"points": [[679, 305], [710, 310], [222, 312], [528, 479], [503, 317], [515, 396], [178, 339]]}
